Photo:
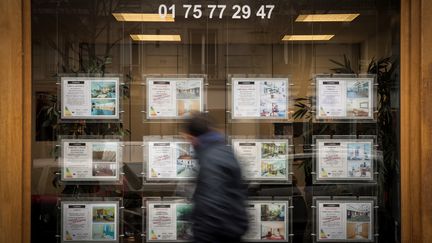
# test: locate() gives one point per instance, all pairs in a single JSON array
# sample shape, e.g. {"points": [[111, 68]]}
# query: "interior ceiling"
{"points": [[83, 18]]}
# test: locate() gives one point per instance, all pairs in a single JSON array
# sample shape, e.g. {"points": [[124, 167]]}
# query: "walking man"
{"points": [[219, 214]]}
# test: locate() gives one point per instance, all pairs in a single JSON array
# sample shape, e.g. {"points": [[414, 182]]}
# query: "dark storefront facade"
{"points": [[324, 104]]}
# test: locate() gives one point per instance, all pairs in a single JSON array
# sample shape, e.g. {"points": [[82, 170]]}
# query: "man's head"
{"points": [[196, 125]]}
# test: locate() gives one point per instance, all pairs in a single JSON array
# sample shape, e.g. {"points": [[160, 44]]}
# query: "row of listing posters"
{"points": [[90, 160], [347, 98], [170, 221], [171, 160], [254, 98], [345, 220], [89, 98], [262, 159], [341, 220], [344, 159], [174, 97], [90, 221]]}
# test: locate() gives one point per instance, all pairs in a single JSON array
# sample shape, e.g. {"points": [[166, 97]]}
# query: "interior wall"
{"points": [[371, 48]]}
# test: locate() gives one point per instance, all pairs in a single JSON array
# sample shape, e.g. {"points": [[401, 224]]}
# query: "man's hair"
{"points": [[198, 124]]}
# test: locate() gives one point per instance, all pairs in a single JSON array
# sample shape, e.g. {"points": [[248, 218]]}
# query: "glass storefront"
{"points": [[306, 92]]}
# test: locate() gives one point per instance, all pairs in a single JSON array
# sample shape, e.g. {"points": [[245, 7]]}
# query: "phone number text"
{"points": [[215, 11]]}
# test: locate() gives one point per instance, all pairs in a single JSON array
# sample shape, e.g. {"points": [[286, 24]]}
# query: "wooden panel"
{"points": [[11, 110], [416, 120], [410, 138], [426, 113], [27, 124]]}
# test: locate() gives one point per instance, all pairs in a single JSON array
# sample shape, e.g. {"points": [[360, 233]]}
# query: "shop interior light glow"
{"points": [[141, 17], [156, 37], [327, 17], [307, 37]]}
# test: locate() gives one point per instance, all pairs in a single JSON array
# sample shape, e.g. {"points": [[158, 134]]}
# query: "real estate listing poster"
{"points": [[89, 98], [171, 160], [90, 160], [169, 221], [262, 159], [345, 98], [255, 98], [268, 221], [344, 159], [174, 98], [345, 221], [90, 221], [160, 160]]}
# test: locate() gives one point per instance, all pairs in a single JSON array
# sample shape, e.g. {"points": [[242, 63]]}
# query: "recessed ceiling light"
{"points": [[327, 17], [141, 17], [156, 37], [307, 37]]}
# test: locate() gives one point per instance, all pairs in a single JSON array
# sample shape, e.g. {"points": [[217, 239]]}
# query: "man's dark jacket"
{"points": [[220, 196]]}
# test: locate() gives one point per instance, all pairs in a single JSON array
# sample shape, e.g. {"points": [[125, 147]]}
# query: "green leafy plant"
{"points": [[86, 52], [304, 110], [344, 67], [385, 70]]}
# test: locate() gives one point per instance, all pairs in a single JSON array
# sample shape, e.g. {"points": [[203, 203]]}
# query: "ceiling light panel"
{"points": [[307, 37], [141, 17], [156, 37], [327, 17]]}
